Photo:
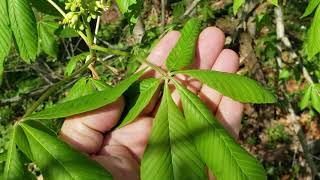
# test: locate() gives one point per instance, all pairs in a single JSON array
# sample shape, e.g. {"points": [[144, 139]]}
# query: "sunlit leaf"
{"points": [[183, 54], [58, 161], [86, 103], [315, 97], [147, 88], [274, 2], [130, 8], [236, 5], [312, 44], [221, 153], [311, 7], [306, 98], [24, 27], [239, 88], [170, 153]]}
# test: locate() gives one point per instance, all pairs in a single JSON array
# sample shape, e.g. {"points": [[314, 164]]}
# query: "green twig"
{"points": [[110, 51]]}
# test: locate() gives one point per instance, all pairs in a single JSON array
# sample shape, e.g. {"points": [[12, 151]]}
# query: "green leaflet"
{"points": [[47, 38], [79, 89], [183, 54], [236, 5], [14, 168], [222, 154], [311, 7], [130, 8], [99, 85], [73, 62], [23, 25], [5, 35], [58, 161], [147, 88], [306, 98], [312, 44], [315, 97], [274, 2], [239, 88], [170, 153], [86, 103]]}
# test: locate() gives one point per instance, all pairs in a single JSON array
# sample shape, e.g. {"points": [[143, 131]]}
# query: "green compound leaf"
{"points": [[237, 87], [73, 62], [14, 168], [183, 54], [311, 7], [312, 44], [222, 154], [5, 35], [86, 103], [236, 5], [47, 38], [170, 153], [147, 89], [24, 27], [58, 161]]}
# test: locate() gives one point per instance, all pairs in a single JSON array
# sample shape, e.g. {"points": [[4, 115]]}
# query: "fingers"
{"points": [[134, 136], [210, 44], [85, 131], [119, 161], [227, 111]]}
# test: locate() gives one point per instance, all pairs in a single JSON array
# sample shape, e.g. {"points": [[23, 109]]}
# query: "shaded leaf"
{"points": [[311, 7], [58, 161], [47, 40], [237, 87], [222, 154], [24, 28], [306, 98], [100, 85], [312, 44], [236, 5], [130, 8], [183, 54], [67, 32], [86, 103], [170, 153], [73, 62], [147, 88], [45, 7], [5, 35], [79, 89]]}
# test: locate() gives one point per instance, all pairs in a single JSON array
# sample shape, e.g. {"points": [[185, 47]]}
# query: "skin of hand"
{"points": [[120, 150]]}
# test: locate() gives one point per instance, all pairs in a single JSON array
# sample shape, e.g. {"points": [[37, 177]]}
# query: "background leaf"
{"points": [[311, 7], [183, 54], [239, 88], [58, 161], [170, 153], [47, 39], [147, 88], [306, 98], [315, 97], [221, 153], [312, 44], [86, 103], [73, 62], [79, 89], [274, 2], [236, 5], [23, 25], [5, 35], [130, 8]]}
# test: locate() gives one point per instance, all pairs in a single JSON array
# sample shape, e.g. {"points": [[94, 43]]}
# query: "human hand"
{"points": [[121, 150]]}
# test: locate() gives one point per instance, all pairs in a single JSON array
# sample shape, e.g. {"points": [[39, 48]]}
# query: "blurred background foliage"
{"points": [[284, 136]]}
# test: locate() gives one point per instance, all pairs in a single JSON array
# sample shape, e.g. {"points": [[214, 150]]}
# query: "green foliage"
{"points": [[24, 28], [278, 134], [47, 39], [311, 7], [170, 153], [5, 34], [130, 9], [237, 87], [73, 62], [183, 53], [236, 5], [311, 97]]}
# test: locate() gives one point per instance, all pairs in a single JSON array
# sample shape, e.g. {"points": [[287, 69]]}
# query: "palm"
{"points": [[121, 150]]}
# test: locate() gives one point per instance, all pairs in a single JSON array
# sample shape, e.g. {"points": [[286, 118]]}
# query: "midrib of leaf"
{"points": [[26, 129], [10, 151], [218, 128]]}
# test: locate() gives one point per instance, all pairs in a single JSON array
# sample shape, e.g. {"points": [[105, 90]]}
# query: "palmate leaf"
{"points": [[183, 54], [86, 103], [147, 88], [221, 153], [58, 161], [312, 44], [14, 168], [5, 35], [239, 88], [170, 153], [311, 7], [23, 25]]}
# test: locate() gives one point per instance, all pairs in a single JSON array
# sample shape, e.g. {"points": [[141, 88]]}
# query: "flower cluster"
{"points": [[81, 11]]}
